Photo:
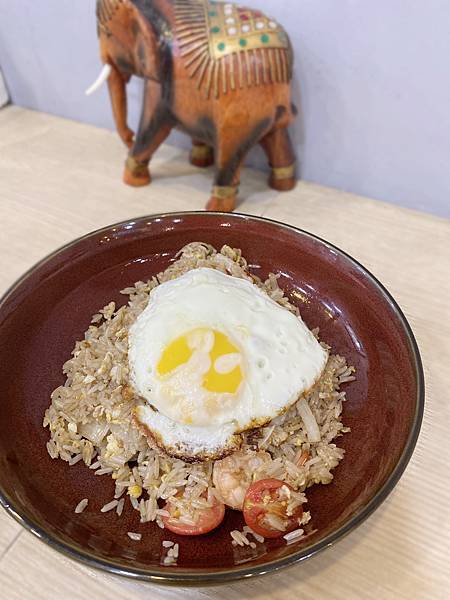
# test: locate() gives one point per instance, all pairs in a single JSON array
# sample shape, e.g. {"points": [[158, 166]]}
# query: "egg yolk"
{"points": [[179, 352]]}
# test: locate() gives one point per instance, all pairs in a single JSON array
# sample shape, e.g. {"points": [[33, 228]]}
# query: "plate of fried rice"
{"points": [[201, 397]]}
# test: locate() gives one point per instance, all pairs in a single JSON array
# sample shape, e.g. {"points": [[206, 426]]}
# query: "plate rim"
{"points": [[167, 575]]}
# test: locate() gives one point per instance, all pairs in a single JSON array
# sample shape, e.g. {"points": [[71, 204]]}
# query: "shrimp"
{"points": [[233, 475]]}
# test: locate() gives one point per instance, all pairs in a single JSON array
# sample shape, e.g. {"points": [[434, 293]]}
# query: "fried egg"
{"points": [[212, 356]]}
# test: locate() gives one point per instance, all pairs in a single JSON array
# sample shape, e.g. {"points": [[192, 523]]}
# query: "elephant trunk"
{"points": [[118, 94]]}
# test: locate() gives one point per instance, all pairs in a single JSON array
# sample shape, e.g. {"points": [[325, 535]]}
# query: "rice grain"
{"points": [[120, 506], [81, 505], [294, 535], [109, 506]]}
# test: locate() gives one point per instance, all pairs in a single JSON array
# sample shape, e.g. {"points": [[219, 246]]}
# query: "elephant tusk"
{"points": [[105, 73]]}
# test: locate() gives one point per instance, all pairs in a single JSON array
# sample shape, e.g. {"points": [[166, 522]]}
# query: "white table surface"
{"points": [[60, 179]]}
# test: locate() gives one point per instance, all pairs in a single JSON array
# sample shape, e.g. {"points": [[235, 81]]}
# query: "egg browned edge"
{"points": [[233, 444]]}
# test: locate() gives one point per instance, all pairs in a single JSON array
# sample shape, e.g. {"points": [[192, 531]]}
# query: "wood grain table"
{"points": [[60, 179]]}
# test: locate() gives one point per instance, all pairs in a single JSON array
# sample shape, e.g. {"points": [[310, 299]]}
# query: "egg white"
{"points": [[281, 359]]}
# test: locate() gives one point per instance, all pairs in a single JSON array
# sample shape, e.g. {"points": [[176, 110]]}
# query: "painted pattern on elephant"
{"points": [[226, 47]]}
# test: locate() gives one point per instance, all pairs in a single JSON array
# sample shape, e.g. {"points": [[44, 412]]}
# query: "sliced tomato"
{"points": [[204, 520], [266, 508]]}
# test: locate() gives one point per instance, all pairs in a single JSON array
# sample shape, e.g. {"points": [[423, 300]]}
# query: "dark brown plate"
{"points": [[50, 307]]}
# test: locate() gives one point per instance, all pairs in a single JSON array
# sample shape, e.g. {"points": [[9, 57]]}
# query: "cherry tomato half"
{"points": [[266, 508], [206, 519]]}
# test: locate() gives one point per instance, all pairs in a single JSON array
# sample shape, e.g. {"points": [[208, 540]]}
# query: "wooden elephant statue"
{"points": [[219, 72]]}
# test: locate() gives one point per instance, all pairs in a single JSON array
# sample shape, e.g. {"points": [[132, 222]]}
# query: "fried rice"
{"points": [[90, 416]]}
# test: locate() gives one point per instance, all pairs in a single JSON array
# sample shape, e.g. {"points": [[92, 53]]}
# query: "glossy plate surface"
{"points": [[46, 311]]}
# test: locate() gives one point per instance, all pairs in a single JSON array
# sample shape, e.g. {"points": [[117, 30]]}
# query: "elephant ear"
{"points": [[126, 21], [148, 46], [106, 10]]}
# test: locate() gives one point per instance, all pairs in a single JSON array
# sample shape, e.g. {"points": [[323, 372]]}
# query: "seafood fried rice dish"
{"points": [[206, 392]]}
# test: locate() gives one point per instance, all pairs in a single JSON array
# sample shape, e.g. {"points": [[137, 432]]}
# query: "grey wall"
{"points": [[372, 80]]}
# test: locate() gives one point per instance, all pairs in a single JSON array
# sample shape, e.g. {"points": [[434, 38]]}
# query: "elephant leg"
{"points": [[154, 127], [278, 147], [230, 154], [137, 173], [201, 155], [231, 151]]}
